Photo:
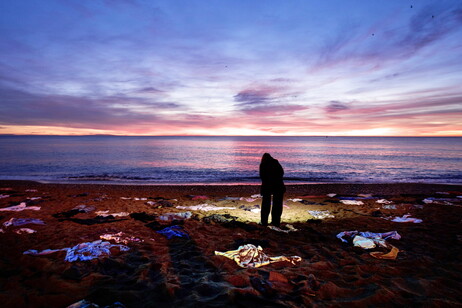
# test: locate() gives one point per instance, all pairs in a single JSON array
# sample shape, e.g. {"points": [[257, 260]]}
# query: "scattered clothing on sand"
{"points": [[389, 206], [86, 304], [219, 218], [405, 218], [160, 204], [369, 240], [352, 202], [295, 200], [383, 201], [288, 228], [247, 199], [254, 208], [143, 216], [377, 236], [23, 221], [204, 207], [107, 214], [321, 214], [251, 256], [119, 238], [175, 216], [25, 231], [82, 208], [34, 198], [444, 201], [2, 196], [174, 231], [256, 196], [81, 252], [20, 207]]}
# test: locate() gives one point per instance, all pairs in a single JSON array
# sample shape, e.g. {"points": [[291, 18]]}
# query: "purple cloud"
{"points": [[336, 106]]}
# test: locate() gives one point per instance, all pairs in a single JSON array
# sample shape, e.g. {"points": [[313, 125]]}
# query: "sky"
{"points": [[231, 67]]}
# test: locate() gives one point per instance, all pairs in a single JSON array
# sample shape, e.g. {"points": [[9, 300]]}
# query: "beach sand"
{"points": [[181, 272]]}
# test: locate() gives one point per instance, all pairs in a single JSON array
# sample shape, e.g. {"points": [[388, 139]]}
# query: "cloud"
{"points": [[274, 110], [149, 90], [23, 108], [389, 41], [254, 96], [336, 106]]}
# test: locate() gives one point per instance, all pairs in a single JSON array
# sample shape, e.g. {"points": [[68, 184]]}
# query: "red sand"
{"points": [[178, 273]]}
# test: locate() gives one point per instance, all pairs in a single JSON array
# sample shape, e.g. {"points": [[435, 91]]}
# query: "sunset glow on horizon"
{"points": [[260, 68]]}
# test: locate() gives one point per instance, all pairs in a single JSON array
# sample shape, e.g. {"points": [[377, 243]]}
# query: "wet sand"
{"points": [[182, 272]]}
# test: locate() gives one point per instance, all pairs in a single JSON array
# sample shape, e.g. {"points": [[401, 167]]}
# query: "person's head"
{"points": [[266, 157]]}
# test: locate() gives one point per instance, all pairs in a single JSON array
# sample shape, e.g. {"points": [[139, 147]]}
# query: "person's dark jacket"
{"points": [[271, 174]]}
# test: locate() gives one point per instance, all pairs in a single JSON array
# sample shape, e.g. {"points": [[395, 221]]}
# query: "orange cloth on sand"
{"points": [[391, 255]]}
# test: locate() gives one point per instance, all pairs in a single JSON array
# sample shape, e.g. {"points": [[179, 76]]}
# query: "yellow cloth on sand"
{"points": [[251, 256]]}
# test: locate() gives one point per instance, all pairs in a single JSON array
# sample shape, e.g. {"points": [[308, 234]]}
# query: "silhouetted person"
{"points": [[271, 174]]}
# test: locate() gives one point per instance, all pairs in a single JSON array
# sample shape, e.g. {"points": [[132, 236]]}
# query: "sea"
{"points": [[229, 160]]}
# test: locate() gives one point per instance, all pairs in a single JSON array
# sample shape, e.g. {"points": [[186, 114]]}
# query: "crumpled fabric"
{"points": [[383, 201], [204, 207], [119, 238], [174, 231], [175, 216], [23, 221], [81, 252], [25, 231], [406, 218], [87, 304], [369, 240], [321, 214], [352, 202], [20, 207], [289, 227], [247, 199], [387, 235], [107, 214], [249, 256]]}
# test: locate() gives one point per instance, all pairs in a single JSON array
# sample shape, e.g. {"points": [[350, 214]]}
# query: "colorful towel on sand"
{"points": [[251, 256]]}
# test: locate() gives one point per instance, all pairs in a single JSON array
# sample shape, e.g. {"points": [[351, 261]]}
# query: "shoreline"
{"points": [[292, 189]]}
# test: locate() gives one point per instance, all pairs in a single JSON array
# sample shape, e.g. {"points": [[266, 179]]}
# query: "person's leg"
{"points": [[265, 208], [276, 211]]}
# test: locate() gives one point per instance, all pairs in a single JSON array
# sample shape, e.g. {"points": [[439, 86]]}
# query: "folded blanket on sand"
{"points": [[251, 256]]}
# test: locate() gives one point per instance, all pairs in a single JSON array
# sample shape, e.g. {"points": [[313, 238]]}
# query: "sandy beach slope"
{"points": [[186, 272]]}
